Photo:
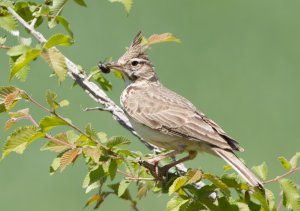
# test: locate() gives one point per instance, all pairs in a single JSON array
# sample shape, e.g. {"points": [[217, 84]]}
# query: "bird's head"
{"points": [[134, 65]]}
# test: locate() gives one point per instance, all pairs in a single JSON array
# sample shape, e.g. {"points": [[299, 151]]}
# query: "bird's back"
{"points": [[155, 106]]}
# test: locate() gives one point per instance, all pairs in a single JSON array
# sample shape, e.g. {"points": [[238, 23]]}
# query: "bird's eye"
{"points": [[134, 63]]}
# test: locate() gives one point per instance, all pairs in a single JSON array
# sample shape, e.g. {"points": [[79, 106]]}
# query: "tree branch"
{"points": [[89, 87], [95, 92], [293, 170]]}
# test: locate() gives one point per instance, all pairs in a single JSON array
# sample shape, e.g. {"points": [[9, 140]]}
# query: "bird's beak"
{"points": [[115, 66]]}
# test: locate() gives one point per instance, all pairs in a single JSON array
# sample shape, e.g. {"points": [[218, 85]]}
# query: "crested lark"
{"points": [[168, 120]]}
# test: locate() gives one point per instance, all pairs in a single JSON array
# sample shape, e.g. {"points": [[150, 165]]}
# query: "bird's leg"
{"points": [[158, 158], [154, 161], [164, 170], [152, 164]]}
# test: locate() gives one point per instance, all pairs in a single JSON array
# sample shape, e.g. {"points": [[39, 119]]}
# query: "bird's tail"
{"points": [[239, 166]]}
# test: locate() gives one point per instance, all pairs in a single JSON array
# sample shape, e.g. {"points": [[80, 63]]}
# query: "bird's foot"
{"points": [[152, 165]]}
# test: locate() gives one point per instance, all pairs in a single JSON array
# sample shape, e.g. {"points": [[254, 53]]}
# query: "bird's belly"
{"points": [[165, 141]]}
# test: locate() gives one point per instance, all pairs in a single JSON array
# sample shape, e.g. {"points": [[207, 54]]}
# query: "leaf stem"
{"points": [[276, 179]]}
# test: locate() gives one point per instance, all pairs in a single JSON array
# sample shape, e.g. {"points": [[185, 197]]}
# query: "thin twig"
{"points": [[4, 47], [140, 178], [33, 22], [59, 116], [48, 136], [133, 206], [276, 179], [280, 201], [124, 173]]}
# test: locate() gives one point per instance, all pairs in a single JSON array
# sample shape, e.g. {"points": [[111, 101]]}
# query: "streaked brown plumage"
{"points": [[167, 119]]}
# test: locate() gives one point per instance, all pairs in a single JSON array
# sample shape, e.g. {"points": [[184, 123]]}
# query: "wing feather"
{"points": [[159, 108]]}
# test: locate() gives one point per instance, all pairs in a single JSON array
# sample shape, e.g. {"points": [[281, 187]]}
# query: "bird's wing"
{"points": [[164, 110]]}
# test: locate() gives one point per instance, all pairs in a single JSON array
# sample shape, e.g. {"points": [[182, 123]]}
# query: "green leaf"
{"points": [[63, 103], [56, 61], [98, 198], [126, 195], [81, 2], [94, 179], [142, 191], [225, 204], [58, 39], [193, 175], [218, 183], [177, 184], [23, 73], [112, 169], [23, 61], [69, 157], [15, 117], [51, 98], [19, 113], [50, 122], [126, 3], [25, 41], [261, 198], [2, 40], [101, 80], [90, 131], [261, 170], [61, 20], [55, 165], [9, 23], [17, 50], [6, 3], [271, 198], [294, 160], [57, 147], [284, 162], [102, 136], [20, 139], [158, 38], [2, 108], [232, 181], [93, 153], [25, 10], [242, 206], [123, 187], [117, 141], [5, 91], [44, 10], [176, 203], [118, 74], [226, 168], [291, 197], [55, 10], [8, 96]]}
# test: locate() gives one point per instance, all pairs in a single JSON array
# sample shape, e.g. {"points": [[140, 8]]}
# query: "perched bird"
{"points": [[168, 120]]}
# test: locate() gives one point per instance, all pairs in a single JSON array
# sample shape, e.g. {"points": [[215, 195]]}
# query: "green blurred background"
{"points": [[238, 63]]}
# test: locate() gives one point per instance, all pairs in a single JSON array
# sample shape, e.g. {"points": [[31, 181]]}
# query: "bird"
{"points": [[168, 120]]}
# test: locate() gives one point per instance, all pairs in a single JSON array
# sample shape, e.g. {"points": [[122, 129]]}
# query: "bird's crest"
{"points": [[136, 50]]}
